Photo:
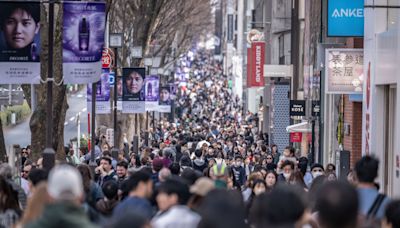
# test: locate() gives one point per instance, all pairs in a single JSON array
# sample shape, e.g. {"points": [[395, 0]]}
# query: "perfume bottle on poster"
{"points": [[84, 33], [149, 90], [34, 52]]}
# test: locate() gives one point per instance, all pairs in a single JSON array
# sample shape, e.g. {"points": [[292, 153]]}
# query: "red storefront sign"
{"points": [[255, 60], [296, 136], [107, 58]]}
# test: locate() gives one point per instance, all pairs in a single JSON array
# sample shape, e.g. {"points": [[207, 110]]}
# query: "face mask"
{"points": [[238, 164], [258, 191], [316, 174], [286, 175]]}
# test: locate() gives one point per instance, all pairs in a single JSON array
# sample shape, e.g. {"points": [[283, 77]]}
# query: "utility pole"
{"points": [[49, 153]]}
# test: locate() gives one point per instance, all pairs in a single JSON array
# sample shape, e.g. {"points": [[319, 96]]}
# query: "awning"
{"points": [[300, 127]]}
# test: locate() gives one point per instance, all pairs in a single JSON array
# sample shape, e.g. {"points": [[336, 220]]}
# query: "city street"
{"points": [[77, 104], [229, 113]]}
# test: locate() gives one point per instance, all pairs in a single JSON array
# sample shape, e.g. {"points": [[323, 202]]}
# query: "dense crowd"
{"points": [[210, 168]]}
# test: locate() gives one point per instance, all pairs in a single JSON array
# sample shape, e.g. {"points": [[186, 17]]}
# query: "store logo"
{"points": [[348, 13], [258, 63]]}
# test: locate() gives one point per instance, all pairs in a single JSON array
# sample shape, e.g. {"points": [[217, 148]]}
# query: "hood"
{"points": [[199, 162], [63, 215]]}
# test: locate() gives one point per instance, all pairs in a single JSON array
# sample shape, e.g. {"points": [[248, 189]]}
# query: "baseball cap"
{"points": [[65, 183]]}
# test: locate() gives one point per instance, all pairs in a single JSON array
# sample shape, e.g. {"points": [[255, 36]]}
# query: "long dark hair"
{"points": [[8, 196], [87, 176]]}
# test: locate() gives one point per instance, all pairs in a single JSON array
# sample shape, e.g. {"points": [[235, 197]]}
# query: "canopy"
{"points": [[303, 127]]}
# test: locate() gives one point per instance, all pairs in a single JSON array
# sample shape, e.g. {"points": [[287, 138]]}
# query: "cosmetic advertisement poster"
{"points": [[83, 41], [166, 96], [119, 92], [152, 92], [102, 94], [20, 42], [133, 90]]}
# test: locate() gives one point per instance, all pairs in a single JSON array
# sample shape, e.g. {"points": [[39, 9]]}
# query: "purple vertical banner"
{"points": [[20, 42], [83, 41], [119, 87], [102, 94], [152, 92], [133, 90], [166, 98]]}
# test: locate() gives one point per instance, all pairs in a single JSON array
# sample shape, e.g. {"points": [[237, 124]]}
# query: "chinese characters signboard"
{"points": [[344, 71]]}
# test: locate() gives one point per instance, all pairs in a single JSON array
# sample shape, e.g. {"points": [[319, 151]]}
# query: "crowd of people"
{"points": [[209, 168]]}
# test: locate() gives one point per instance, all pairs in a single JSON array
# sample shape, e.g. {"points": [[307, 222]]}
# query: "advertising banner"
{"points": [[152, 92], [133, 90], [230, 28], [296, 136], [119, 92], [166, 98], [83, 41], [345, 18], [256, 65], [102, 94], [297, 107], [20, 42], [344, 71]]}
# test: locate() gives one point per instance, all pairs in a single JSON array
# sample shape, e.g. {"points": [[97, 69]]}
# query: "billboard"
{"points": [[20, 43], [152, 92], [133, 90], [344, 70], [166, 98], [345, 18], [102, 94], [83, 41]]}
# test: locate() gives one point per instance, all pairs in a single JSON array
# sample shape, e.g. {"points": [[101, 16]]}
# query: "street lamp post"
{"points": [[148, 62], [49, 153], [115, 42]]}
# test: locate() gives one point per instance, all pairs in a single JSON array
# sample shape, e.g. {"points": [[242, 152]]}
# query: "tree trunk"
{"points": [[60, 106], [3, 154]]}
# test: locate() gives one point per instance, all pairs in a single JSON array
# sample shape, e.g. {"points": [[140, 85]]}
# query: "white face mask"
{"points": [[258, 191], [238, 164], [316, 174], [286, 175]]}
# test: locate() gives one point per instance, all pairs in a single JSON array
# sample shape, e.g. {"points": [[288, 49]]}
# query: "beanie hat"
{"points": [[65, 183]]}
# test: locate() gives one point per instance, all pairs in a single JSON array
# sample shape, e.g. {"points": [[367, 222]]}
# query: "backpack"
{"points": [[369, 220]]}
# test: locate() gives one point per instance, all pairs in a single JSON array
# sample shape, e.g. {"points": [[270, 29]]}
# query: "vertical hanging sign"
{"points": [[256, 59], [230, 28], [133, 90], [151, 91], [166, 97], [102, 94], [20, 42], [83, 41]]}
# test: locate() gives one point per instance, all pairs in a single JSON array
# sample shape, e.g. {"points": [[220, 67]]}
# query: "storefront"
{"points": [[380, 98]]}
